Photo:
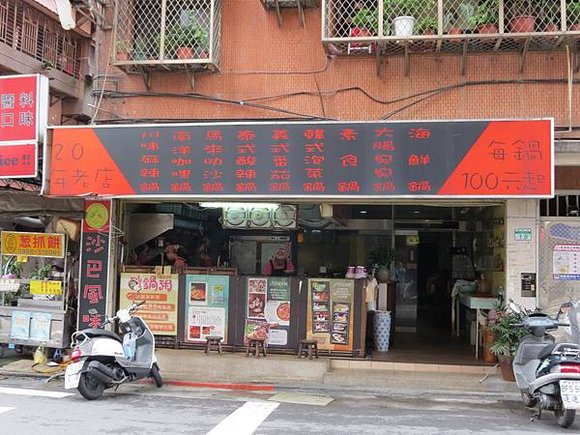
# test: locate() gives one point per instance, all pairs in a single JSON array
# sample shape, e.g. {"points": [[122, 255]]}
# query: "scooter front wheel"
{"points": [[156, 376], [565, 417], [90, 387]]}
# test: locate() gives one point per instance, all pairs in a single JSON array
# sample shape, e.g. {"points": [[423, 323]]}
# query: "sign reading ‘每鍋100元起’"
{"points": [[505, 158]]}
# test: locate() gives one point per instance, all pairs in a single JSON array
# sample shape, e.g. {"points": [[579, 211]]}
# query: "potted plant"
{"points": [[403, 13], [523, 17], [122, 50], [364, 23], [549, 15], [485, 18], [381, 261], [506, 338], [573, 14], [140, 48], [183, 40]]}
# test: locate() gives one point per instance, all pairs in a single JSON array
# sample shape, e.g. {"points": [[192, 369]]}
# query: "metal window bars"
{"points": [[402, 26], [167, 34], [26, 30]]}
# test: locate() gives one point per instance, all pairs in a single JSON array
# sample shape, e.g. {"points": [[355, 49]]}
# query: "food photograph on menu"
{"points": [[340, 323], [197, 292], [256, 305]]}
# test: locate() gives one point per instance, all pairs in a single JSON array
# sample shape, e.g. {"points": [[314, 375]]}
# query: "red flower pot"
{"points": [[574, 28], [551, 27], [522, 24], [184, 53], [488, 28]]}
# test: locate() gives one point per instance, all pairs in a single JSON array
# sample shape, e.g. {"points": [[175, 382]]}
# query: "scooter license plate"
{"points": [[72, 375], [570, 393]]}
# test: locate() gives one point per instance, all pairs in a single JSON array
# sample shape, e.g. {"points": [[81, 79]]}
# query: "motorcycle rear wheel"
{"points": [[156, 376], [565, 417], [90, 387]]}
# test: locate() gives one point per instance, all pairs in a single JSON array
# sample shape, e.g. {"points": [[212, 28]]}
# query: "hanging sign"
{"points": [[33, 244], [95, 240], [23, 118]]}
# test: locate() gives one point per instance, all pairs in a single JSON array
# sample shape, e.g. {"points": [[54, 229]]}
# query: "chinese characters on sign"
{"points": [[33, 244], [159, 292], [347, 160], [23, 114], [94, 264]]}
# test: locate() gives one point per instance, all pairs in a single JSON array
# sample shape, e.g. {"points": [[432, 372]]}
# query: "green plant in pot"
{"points": [[485, 18], [185, 40], [521, 15], [549, 16], [381, 261], [366, 19], [506, 338], [573, 16]]}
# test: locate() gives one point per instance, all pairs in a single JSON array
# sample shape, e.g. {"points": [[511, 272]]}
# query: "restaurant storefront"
{"points": [[197, 214]]}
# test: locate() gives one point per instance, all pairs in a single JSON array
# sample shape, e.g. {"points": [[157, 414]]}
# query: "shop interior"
{"points": [[428, 248]]}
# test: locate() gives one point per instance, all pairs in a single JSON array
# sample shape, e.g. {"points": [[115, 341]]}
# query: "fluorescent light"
{"points": [[363, 212], [269, 206]]}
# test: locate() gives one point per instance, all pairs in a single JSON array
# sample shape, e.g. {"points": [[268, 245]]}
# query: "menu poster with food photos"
{"points": [[207, 306], [160, 293], [269, 303], [330, 317], [320, 299]]}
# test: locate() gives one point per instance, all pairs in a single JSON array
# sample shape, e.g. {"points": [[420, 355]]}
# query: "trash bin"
{"points": [[382, 330]]}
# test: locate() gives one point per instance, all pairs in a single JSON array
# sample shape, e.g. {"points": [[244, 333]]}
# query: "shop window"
{"points": [[560, 206]]}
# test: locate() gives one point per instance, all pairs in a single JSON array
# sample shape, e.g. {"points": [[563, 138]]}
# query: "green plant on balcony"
{"points": [[427, 26], [486, 17], [573, 14], [123, 49], [367, 19], [549, 15], [183, 40]]}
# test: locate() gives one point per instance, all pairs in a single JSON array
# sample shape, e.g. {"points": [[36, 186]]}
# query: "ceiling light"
{"points": [[416, 212], [363, 212]]}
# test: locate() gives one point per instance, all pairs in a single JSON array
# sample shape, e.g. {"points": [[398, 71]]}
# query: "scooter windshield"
{"points": [[572, 317]]}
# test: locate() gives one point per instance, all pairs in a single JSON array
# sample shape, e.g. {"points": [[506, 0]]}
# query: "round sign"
{"points": [[96, 216]]}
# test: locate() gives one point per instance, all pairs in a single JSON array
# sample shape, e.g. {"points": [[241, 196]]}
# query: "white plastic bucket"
{"points": [[404, 26]]}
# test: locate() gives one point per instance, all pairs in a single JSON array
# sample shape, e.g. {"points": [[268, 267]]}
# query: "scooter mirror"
{"points": [[514, 307]]}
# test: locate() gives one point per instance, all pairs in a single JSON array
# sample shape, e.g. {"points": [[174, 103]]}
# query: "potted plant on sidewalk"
{"points": [[506, 339]]}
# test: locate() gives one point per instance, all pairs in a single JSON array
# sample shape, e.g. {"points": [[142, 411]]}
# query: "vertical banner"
{"points": [[330, 313], [23, 118], [268, 310], [160, 292], [206, 306], [95, 244]]}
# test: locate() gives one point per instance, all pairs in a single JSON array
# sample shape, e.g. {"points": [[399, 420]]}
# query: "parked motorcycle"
{"points": [[548, 373], [101, 359]]}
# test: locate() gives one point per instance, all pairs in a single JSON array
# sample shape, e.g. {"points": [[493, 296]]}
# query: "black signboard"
{"points": [[436, 158]]}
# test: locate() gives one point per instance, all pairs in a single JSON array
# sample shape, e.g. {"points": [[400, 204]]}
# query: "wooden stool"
{"points": [[308, 345], [213, 339], [254, 345]]}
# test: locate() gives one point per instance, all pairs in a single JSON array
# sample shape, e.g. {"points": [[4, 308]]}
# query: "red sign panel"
{"points": [[18, 160], [503, 158], [18, 108]]}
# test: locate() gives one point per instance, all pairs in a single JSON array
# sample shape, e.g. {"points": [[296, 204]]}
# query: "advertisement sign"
{"points": [[306, 159], [161, 293], [330, 313], [207, 306], [93, 280], [268, 309], [20, 325], [566, 263], [38, 287], [40, 326], [23, 119], [33, 244]]}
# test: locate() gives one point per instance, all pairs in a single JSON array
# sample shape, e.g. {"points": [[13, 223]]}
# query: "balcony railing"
{"points": [[167, 34], [400, 26], [28, 31]]}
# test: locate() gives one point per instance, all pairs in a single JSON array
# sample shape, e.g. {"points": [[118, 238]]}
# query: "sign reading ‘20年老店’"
{"points": [[307, 159]]}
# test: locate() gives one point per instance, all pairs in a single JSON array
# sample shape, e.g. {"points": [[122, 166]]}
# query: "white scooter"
{"points": [[548, 373], [102, 360]]}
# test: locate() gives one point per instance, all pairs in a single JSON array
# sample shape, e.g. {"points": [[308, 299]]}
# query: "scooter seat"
{"points": [[96, 332]]}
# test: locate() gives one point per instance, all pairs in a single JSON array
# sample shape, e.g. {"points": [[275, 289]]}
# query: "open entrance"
{"points": [[426, 249]]}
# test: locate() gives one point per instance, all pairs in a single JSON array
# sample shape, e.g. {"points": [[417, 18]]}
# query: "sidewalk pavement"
{"points": [[282, 372]]}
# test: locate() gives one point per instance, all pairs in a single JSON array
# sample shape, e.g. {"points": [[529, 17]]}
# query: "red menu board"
{"points": [[300, 160]]}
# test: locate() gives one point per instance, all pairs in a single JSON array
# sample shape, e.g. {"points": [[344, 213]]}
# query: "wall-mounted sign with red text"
{"points": [[23, 115], [504, 158]]}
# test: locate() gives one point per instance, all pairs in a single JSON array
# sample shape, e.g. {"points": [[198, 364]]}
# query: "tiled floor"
{"points": [[430, 348]]}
